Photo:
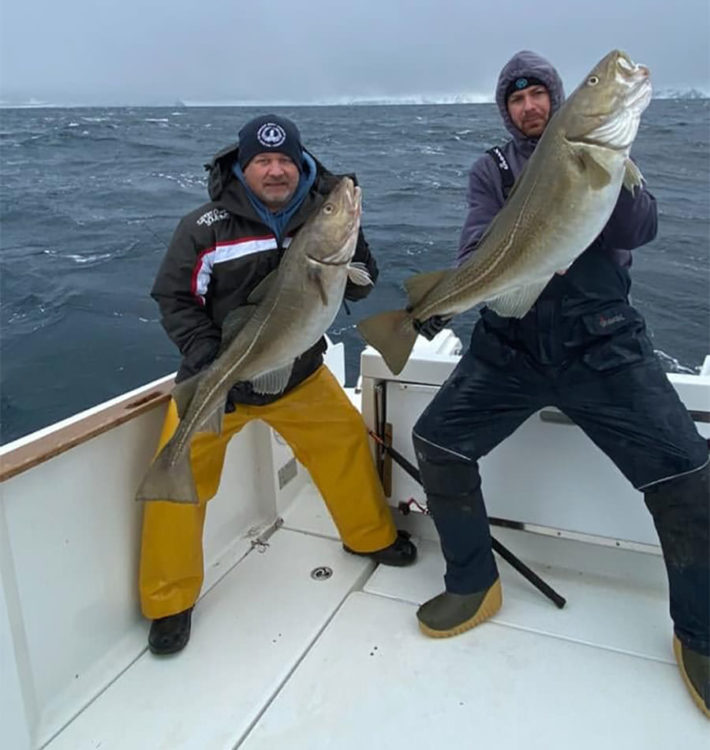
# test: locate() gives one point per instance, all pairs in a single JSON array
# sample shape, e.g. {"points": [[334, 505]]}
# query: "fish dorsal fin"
{"points": [[517, 302], [421, 284], [590, 160], [632, 176], [274, 381], [262, 288], [183, 394], [233, 324]]}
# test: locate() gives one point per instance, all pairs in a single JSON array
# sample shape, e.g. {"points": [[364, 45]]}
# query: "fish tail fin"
{"points": [[392, 334], [419, 285], [169, 481]]}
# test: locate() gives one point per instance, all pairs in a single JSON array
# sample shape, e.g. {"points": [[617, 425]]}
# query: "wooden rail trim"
{"points": [[38, 451]]}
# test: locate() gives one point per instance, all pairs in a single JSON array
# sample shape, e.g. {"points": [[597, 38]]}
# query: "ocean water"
{"points": [[89, 199]]}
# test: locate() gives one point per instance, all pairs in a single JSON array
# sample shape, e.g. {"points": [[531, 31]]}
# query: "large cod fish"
{"points": [[557, 207], [287, 314]]}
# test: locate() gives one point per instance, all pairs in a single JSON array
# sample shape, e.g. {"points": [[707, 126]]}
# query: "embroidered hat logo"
{"points": [[271, 135]]}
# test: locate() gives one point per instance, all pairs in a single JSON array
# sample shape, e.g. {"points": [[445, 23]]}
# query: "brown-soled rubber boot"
{"points": [[450, 614], [695, 671], [400, 553]]}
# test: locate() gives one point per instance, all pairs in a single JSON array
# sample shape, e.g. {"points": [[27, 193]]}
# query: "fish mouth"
{"points": [[636, 79], [627, 67], [633, 94]]}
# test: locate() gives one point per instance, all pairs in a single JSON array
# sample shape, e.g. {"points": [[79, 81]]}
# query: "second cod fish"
{"points": [[287, 314], [558, 206]]}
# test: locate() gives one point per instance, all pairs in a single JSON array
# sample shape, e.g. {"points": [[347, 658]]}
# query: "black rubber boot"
{"points": [[450, 614], [695, 670], [170, 634], [400, 553], [681, 514]]}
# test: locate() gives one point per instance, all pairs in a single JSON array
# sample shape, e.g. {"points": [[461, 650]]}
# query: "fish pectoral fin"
{"points": [[632, 176], [316, 278], [517, 302], [421, 284], [274, 381], [233, 324], [262, 289], [358, 274], [183, 393], [590, 159], [392, 334]]}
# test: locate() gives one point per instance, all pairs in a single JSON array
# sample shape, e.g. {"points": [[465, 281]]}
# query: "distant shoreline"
{"points": [[692, 95]]}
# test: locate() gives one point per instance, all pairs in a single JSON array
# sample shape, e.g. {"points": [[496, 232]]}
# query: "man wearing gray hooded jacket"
{"points": [[581, 348]]}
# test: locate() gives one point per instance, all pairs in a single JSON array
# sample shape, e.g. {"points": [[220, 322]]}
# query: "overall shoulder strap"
{"points": [[506, 174]]}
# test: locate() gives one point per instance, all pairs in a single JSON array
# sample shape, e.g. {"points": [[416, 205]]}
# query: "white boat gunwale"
{"points": [[27, 452]]}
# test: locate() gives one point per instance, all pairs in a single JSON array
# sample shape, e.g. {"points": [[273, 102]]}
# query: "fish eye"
{"points": [[328, 208], [593, 80]]}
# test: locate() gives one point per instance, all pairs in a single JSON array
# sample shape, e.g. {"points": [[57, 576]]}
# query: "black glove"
{"points": [[431, 326], [231, 402], [199, 358]]}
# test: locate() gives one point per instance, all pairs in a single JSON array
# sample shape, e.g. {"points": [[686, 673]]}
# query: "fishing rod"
{"points": [[503, 551]]}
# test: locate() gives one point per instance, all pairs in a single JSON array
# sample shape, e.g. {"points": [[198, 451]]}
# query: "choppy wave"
{"points": [[84, 259], [91, 197]]}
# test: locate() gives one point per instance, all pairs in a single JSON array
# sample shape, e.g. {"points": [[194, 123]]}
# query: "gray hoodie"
{"points": [[527, 64]]}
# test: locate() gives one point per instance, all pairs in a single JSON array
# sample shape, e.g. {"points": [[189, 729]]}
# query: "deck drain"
{"points": [[321, 573]]}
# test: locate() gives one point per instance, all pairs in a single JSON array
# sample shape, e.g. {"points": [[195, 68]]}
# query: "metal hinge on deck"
{"points": [[262, 541]]}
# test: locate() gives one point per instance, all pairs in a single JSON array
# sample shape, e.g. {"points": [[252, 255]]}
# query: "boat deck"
{"points": [[280, 659]]}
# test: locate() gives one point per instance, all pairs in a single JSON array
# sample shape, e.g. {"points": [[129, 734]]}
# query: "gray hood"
{"points": [[526, 63]]}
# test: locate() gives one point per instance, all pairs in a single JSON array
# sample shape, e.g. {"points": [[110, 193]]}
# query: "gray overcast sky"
{"points": [[155, 51]]}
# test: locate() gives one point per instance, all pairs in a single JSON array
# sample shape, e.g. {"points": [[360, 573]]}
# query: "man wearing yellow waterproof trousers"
{"points": [[262, 191]]}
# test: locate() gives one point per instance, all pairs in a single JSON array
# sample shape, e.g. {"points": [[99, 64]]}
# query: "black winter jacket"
{"points": [[218, 255]]}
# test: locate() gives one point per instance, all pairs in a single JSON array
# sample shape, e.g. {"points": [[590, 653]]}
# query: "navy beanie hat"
{"points": [[270, 133], [522, 82]]}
